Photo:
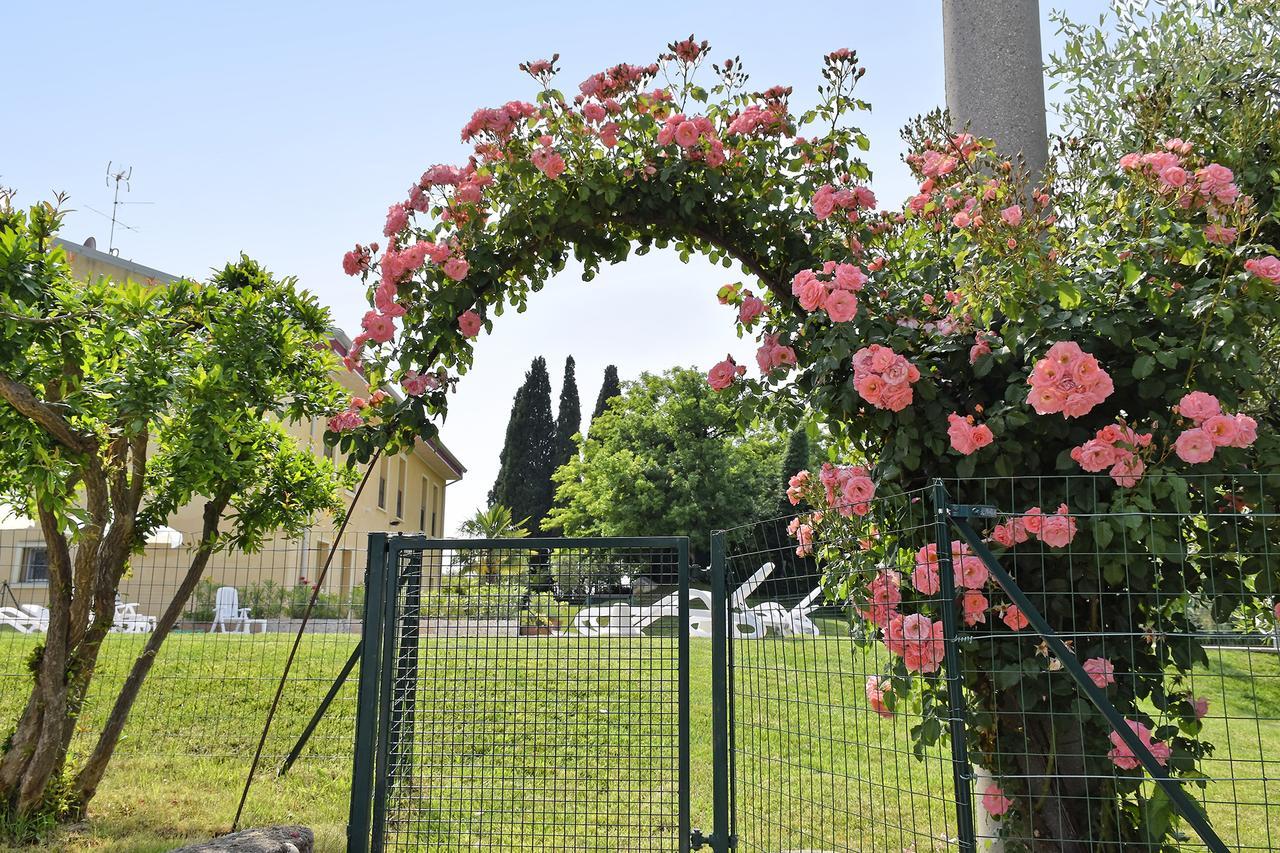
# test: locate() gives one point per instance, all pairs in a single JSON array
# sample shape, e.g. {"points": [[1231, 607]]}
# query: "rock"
{"points": [[268, 839]]}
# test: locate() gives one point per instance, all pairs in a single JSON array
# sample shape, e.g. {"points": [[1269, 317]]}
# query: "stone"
{"points": [[995, 74], [267, 839]]}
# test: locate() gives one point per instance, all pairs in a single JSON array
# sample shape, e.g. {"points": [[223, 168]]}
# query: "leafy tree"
{"points": [[120, 403], [667, 458], [569, 418], [495, 522], [797, 459], [528, 454], [609, 389], [1207, 73]]}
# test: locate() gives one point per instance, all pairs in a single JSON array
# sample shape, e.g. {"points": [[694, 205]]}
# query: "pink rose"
{"points": [[1100, 672], [1246, 431], [469, 323], [877, 690], [841, 306], [397, 219], [722, 375], [593, 111], [1198, 405], [824, 201], [1173, 176], [1128, 471], [960, 434], [1221, 429], [811, 292], [974, 605], [1124, 758], [1194, 446], [994, 800], [970, 572], [1012, 215], [456, 268], [1032, 520], [870, 388], [978, 350], [378, 327], [895, 398], [1014, 618], [686, 134], [1267, 267], [1094, 455], [1059, 529], [1200, 707], [849, 277], [751, 308]]}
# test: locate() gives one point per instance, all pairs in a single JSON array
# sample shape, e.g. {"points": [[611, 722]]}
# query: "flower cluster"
{"points": [[832, 289], [827, 200], [1121, 756], [1114, 447], [1212, 428], [967, 436], [773, 355], [1057, 530], [696, 136], [1068, 380], [883, 378], [916, 639]]}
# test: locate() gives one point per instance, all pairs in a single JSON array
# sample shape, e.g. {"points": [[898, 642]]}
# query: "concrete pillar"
{"points": [[995, 74]]}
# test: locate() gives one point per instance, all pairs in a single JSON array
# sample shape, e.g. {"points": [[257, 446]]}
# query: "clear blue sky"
{"points": [[285, 129]]}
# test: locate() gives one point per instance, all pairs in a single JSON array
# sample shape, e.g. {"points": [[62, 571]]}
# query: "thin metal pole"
{"points": [[297, 641], [682, 650], [1186, 806], [358, 820], [961, 770], [386, 670], [721, 838]]}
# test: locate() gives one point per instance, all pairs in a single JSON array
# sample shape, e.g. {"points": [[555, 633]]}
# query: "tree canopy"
{"points": [[527, 462]]}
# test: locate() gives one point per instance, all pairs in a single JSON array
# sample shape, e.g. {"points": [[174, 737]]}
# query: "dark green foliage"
{"points": [[527, 461], [569, 418], [609, 389]]}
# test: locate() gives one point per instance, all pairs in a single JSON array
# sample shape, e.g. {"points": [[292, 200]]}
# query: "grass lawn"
{"points": [[815, 769]]}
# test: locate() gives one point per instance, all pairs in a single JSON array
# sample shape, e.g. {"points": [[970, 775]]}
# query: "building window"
{"points": [[401, 476], [422, 507], [435, 509], [382, 483], [35, 564]]}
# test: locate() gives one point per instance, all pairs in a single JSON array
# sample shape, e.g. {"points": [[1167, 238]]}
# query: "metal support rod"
{"points": [[1186, 806], [322, 709], [961, 770], [386, 670], [682, 687]]}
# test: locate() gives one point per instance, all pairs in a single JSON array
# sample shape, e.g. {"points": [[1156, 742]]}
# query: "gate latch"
{"points": [[972, 511], [697, 840]]}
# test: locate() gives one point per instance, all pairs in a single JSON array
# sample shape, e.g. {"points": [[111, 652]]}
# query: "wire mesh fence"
{"points": [[824, 757], [863, 732], [546, 711], [208, 692]]}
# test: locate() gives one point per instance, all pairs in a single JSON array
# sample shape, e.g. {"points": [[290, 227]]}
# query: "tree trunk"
{"points": [[90, 775]]}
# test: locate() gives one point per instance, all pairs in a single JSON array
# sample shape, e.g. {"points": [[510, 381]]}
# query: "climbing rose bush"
{"points": [[985, 327]]}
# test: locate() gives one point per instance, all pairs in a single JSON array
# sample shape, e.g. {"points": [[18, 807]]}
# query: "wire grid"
{"points": [[1173, 584], [815, 767], [208, 692], [533, 705]]}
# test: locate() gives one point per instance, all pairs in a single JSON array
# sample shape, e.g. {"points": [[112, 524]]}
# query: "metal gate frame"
{"points": [[379, 660]]}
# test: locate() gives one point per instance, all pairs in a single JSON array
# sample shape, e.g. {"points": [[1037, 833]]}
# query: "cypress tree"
{"points": [[569, 418], [795, 460], [609, 389], [524, 476]]}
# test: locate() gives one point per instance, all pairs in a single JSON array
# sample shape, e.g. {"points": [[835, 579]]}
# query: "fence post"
{"points": [[386, 670], [358, 823], [721, 834], [961, 770], [682, 687]]}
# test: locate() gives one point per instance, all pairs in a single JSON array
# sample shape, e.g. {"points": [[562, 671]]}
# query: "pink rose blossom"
{"points": [[1194, 446], [841, 306], [1124, 758], [469, 323], [1014, 618], [1100, 672], [974, 604], [877, 689], [1012, 215], [1267, 267], [994, 801], [751, 308], [378, 327], [397, 219], [1197, 406], [1221, 429], [1200, 707], [721, 376], [456, 268], [1059, 529], [1220, 234], [811, 292], [1246, 431]]}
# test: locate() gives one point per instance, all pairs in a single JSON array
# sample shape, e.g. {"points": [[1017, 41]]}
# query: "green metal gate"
{"points": [[526, 694]]}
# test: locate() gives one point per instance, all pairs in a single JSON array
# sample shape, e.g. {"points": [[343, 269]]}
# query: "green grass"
{"points": [[815, 768]]}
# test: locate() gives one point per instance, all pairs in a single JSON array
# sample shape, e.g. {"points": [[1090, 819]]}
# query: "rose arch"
{"points": [[986, 328]]}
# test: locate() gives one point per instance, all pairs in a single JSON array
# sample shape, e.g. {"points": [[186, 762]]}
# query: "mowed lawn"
{"points": [[516, 738]]}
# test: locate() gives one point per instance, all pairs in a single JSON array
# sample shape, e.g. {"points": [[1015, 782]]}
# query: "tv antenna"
{"points": [[118, 177]]}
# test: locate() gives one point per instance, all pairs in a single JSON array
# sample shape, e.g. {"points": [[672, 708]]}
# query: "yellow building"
{"points": [[406, 493]]}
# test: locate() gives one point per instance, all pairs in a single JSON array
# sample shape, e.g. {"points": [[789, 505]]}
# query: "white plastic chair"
{"points": [[129, 621], [227, 611]]}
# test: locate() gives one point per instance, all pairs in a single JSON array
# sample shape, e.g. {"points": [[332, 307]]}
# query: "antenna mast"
{"points": [[118, 177]]}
